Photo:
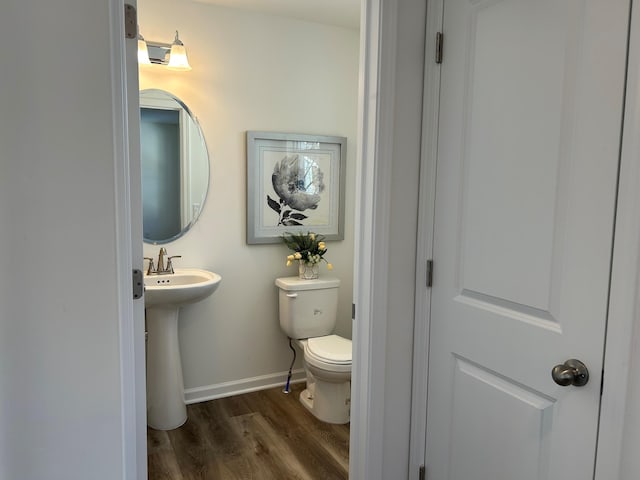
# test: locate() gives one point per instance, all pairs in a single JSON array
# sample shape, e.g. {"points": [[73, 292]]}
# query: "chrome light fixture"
{"points": [[172, 55]]}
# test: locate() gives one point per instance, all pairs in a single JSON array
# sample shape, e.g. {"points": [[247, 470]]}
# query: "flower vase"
{"points": [[308, 271]]}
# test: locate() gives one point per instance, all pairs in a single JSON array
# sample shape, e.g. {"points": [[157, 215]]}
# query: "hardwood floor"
{"points": [[260, 436]]}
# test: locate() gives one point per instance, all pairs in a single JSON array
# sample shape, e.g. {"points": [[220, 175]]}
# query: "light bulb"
{"points": [[143, 51], [178, 56]]}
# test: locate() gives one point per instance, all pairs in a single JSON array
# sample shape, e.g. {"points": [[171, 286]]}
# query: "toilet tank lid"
{"points": [[297, 284]]}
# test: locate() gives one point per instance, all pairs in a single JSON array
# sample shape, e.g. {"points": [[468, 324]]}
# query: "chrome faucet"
{"points": [[160, 265], [160, 268]]}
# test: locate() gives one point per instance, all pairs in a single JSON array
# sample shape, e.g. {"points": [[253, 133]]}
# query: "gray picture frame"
{"points": [[295, 183]]}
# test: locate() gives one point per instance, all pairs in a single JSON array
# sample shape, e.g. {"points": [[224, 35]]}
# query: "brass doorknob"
{"points": [[572, 372]]}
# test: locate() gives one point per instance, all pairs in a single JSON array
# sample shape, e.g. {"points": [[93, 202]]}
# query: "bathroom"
{"points": [[66, 370], [262, 71]]}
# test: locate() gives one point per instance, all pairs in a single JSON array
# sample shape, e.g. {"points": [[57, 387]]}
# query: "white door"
{"points": [[529, 133]]}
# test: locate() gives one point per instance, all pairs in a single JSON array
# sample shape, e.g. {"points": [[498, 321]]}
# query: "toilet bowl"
{"points": [[327, 362], [308, 315]]}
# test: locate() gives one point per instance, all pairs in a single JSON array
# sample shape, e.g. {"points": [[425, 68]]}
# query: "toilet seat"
{"points": [[330, 352]]}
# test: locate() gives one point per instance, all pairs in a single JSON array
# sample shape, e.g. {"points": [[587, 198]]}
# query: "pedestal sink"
{"points": [[164, 294]]}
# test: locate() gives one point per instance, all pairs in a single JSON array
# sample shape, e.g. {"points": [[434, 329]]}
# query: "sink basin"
{"points": [[163, 297], [186, 285]]}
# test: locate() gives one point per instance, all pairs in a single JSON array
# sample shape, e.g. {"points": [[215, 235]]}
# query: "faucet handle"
{"points": [[170, 263], [150, 269]]}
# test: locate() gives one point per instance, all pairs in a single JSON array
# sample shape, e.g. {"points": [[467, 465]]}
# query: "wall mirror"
{"points": [[175, 166]]}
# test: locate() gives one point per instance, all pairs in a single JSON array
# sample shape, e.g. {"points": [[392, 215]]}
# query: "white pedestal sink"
{"points": [[164, 294]]}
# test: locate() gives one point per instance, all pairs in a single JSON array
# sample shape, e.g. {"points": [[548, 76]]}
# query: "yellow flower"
{"points": [[329, 266], [322, 246], [312, 236], [297, 256], [288, 263], [289, 257]]}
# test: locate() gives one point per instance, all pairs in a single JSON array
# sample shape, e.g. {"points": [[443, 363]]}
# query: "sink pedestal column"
{"points": [[166, 409]]}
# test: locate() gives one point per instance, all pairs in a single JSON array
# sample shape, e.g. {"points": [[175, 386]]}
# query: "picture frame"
{"points": [[295, 183]]}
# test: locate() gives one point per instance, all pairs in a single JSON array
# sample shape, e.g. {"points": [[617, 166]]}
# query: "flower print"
{"points": [[298, 181]]}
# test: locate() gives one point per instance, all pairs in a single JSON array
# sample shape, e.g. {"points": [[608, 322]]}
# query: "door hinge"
{"points": [[429, 273], [353, 311], [138, 283], [439, 40], [422, 473], [130, 21]]}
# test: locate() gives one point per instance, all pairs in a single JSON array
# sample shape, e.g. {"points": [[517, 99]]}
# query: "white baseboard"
{"points": [[245, 385]]}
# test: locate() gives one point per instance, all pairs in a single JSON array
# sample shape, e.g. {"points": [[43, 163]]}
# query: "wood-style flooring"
{"points": [[260, 436]]}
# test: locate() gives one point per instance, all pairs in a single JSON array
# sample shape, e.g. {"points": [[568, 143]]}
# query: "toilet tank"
{"points": [[307, 307]]}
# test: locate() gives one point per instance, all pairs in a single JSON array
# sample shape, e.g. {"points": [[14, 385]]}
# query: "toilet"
{"points": [[308, 310]]}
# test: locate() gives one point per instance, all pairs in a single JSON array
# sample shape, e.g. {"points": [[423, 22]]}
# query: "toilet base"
{"points": [[328, 402]]}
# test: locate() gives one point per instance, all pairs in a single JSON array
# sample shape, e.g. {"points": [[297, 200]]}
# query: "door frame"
{"points": [[389, 144], [371, 269], [128, 232], [624, 297], [375, 140], [426, 220]]}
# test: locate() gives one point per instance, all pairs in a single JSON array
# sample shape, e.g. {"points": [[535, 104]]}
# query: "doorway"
{"points": [[245, 78]]}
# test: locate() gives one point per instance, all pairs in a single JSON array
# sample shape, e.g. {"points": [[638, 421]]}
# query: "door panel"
{"points": [[484, 400], [529, 131], [511, 142]]}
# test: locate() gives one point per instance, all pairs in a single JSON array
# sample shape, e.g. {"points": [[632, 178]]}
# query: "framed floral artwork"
{"points": [[295, 183]]}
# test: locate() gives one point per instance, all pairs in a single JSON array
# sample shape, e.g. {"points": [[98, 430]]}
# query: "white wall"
{"points": [[250, 72], [60, 410]]}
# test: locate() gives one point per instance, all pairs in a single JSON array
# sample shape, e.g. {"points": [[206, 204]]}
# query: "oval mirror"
{"points": [[175, 166]]}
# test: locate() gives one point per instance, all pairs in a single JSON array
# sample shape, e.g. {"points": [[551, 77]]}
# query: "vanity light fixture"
{"points": [[173, 55]]}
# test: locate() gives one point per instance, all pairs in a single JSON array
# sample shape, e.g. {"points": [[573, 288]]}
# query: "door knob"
{"points": [[571, 372]]}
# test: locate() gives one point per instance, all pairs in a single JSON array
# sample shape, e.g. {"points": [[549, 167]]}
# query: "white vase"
{"points": [[308, 271]]}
